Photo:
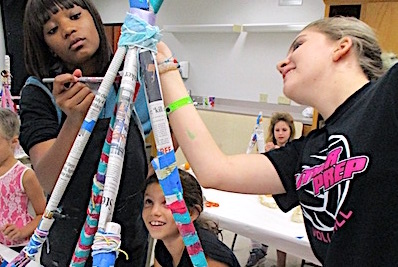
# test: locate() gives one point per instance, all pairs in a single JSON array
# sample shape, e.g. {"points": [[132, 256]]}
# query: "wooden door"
{"points": [[112, 32], [383, 18]]}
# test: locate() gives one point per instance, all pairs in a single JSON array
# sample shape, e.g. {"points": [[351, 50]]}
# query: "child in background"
{"points": [[280, 131], [18, 187], [66, 39], [170, 249]]}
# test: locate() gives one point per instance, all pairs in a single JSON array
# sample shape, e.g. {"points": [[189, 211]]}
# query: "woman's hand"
{"points": [[73, 97]]}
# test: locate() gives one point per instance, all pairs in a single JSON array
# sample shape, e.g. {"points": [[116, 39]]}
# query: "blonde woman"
{"points": [[344, 180]]}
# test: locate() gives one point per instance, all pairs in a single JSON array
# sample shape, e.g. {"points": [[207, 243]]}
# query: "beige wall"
{"points": [[231, 132]]}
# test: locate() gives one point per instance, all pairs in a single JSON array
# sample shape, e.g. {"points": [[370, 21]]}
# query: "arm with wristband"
{"points": [[170, 64], [218, 171]]}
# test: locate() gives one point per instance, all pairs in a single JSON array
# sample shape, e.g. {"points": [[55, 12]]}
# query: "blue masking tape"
{"points": [[178, 194], [171, 183], [88, 125], [102, 167], [166, 159], [189, 240], [140, 4], [199, 260], [107, 148], [155, 164], [104, 259], [182, 218], [156, 5]]}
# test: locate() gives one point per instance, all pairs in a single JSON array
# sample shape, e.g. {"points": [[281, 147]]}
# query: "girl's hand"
{"points": [[73, 97], [269, 146], [13, 233], [163, 52]]}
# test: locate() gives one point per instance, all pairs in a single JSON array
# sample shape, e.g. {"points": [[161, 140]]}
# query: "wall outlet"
{"points": [[263, 97], [237, 28], [283, 100], [184, 69]]}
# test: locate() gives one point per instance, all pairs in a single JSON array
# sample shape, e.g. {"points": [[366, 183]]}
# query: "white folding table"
{"points": [[245, 215]]}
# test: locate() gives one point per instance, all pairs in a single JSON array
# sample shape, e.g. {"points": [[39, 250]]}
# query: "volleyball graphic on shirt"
{"points": [[326, 184]]}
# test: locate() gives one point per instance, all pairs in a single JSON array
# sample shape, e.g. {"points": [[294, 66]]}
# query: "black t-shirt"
{"points": [[39, 123], [345, 176], [211, 245]]}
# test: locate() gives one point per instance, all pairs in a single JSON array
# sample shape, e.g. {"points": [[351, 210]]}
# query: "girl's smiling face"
{"points": [[307, 66], [157, 216], [71, 35]]}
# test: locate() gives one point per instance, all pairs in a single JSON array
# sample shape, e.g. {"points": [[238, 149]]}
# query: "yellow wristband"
{"points": [[178, 104]]}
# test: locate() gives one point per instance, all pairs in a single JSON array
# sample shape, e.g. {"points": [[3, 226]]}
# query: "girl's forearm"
{"points": [[28, 229], [211, 166], [51, 158]]}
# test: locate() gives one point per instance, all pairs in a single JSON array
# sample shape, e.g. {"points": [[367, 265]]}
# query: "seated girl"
{"points": [[170, 249]]}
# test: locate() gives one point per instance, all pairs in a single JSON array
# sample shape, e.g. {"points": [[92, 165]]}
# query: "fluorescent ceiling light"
{"points": [[290, 2]]}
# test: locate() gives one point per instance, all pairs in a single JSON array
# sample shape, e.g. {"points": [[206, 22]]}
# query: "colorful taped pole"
{"points": [[107, 238], [103, 254], [136, 33], [165, 163], [257, 136], [40, 234], [139, 34], [86, 238], [109, 232]]}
